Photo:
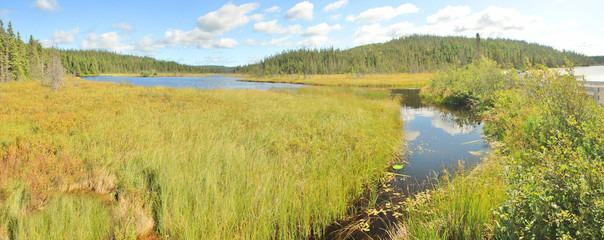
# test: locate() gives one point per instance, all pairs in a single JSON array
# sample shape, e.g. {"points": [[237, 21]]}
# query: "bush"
{"points": [[473, 84], [555, 140]]}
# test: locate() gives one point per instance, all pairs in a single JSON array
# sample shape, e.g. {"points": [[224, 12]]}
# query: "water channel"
{"points": [[438, 140]]}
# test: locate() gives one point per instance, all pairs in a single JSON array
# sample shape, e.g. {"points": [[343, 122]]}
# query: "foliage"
{"points": [[190, 164], [473, 84], [555, 136], [412, 54]]}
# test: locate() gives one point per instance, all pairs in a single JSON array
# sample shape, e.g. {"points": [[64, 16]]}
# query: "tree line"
{"points": [[96, 62], [413, 54], [20, 60]]}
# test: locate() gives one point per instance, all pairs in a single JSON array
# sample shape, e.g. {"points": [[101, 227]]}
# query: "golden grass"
{"points": [[400, 80], [187, 163]]}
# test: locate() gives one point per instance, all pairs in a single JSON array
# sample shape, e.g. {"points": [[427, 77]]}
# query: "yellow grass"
{"points": [[402, 80], [101, 159]]}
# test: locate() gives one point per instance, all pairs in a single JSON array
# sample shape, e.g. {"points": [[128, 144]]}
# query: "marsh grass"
{"points": [[191, 164], [459, 206], [400, 80]]}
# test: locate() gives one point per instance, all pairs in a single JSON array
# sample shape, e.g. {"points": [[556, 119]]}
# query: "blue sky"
{"points": [[241, 32]]}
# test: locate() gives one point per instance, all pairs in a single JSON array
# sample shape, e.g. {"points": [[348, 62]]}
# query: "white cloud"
{"points": [[193, 37], [147, 46], [335, 17], [273, 9], [257, 17], [65, 37], [110, 41], [252, 42], [123, 26], [279, 42], [449, 13], [47, 5], [272, 27], [316, 36], [225, 19], [376, 33], [383, 13], [6, 12], [335, 5], [225, 43], [321, 29], [302, 10]]}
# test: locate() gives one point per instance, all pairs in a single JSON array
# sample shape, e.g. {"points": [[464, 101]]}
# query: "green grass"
{"points": [[191, 164]]}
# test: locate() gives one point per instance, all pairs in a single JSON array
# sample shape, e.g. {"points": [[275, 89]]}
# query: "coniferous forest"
{"points": [[21, 60], [414, 54]]}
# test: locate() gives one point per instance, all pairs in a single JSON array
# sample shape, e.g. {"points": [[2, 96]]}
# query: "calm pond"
{"points": [[204, 82], [437, 139]]}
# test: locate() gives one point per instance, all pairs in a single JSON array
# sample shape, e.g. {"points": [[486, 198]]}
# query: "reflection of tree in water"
{"points": [[461, 116]]}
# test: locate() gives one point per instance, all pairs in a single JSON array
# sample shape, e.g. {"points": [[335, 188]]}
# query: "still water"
{"points": [[205, 82], [438, 139], [591, 73]]}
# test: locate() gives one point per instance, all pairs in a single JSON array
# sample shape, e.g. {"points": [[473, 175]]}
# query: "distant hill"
{"points": [[412, 54], [599, 59], [95, 62]]}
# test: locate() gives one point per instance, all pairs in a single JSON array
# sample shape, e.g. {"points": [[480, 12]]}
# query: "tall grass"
{"points": [[400, 80], [458, 206], [192, 164]]}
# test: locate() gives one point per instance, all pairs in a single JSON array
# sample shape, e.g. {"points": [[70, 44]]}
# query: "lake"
{"points": [[204, 82], [437, 139], [591, 73]]}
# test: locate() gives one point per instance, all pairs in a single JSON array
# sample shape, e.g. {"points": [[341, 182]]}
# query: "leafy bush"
{"points": [[555, 140], [473, 84]]}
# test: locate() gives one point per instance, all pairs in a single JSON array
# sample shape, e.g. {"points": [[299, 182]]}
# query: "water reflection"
{"points": [[438, 138]]}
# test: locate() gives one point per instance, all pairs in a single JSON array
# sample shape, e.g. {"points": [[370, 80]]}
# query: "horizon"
{"points": [[237, 33]]}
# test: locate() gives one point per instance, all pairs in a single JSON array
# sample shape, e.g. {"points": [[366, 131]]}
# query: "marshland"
{"points": [[422, 135]]}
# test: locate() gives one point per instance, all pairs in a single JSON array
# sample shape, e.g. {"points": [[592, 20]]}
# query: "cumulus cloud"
{"points": [[272, 27], [225, 19], [47, 5], [316, 36], [223, 43], [123, 26], [65, 37], [257, 17], [302, 10], [273, 9], [279, 42], [147, 46], [110, 41], [335, 17], [375, 33], [252, 42], [383, 13], [335, 5], [449, 13]]}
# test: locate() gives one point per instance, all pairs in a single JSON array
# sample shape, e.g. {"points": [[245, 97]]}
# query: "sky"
{"points": [[232, 33]]}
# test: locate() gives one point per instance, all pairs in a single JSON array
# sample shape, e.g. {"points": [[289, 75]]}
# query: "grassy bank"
{"points": [[552, 138], [125, 161], [401, 80]]}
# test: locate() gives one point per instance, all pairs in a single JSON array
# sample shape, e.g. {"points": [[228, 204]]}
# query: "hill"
{"points": [[413, 54]]}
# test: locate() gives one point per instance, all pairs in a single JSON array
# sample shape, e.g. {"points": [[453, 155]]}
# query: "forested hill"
{"points": [[599, 59], [412, 54], [95, 62]]}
